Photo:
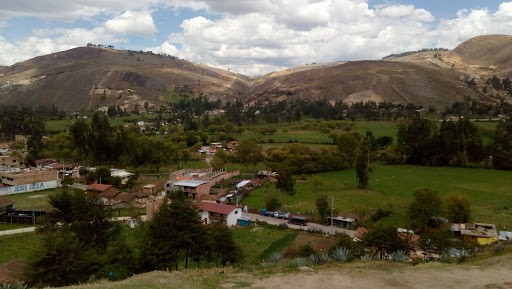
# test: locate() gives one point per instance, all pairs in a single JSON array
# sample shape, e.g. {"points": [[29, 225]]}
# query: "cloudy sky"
{"points": [[252, 37]]}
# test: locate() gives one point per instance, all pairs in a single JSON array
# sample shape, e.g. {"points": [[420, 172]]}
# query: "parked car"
{"points": [[296, 220]]}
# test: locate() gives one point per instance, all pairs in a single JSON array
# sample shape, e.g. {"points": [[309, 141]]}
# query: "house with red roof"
{"points": [[215, 213], [98, 188]]}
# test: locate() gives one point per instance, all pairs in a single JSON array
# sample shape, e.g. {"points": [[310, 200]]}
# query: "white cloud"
{"points": [[50, 41], [451, 32], [137, 23], [257, 36]]}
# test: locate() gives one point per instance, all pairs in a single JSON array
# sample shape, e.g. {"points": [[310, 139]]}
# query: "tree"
{"points": [[502, 147], [458, 209], [249, 152], [424, 208], [317, 181], [224, 247], [384, 238], [75, 234], [348, 143], [438, 241], [323, 206], [67, 181], [364, 160], [272, 203], [285, 181], [60, 260], [165, 248]]}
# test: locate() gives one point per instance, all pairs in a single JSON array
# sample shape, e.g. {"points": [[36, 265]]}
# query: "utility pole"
{"points": [[332, 211]]}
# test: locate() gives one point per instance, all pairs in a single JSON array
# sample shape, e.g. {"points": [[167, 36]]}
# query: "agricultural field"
{"points": [[392, 187]]}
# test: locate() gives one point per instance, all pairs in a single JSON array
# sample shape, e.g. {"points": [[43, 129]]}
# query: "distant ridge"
{"points": [[97, 77]]}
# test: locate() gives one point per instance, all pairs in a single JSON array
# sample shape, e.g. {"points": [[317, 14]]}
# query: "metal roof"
{"points": [[190, 183], [242, 184]]}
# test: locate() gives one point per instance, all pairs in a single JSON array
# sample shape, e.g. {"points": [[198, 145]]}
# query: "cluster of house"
{"points": [[213, 147], [8, 158], [196, 185]]}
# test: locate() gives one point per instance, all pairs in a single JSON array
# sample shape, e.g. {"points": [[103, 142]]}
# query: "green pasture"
{"points": [[393, 186], [33, 200], [254, 240], [17, 246]]}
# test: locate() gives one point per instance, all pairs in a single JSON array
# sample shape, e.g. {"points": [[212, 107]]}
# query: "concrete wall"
{"points": [[28, 188]]}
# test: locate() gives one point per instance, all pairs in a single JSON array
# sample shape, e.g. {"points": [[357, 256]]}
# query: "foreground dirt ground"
{"points": [[493, 273]]}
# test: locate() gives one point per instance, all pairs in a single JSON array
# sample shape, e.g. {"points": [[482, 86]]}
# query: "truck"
{"points": [[276, 214]]}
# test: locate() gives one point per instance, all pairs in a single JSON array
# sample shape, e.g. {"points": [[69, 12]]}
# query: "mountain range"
{"points": [[97, 77]]}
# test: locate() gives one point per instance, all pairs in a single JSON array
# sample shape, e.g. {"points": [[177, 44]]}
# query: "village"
{"points": [[217, 193]]}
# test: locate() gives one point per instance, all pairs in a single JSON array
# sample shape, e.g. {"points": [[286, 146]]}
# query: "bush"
{"points": [[272, 203], [498, 249], [275, 257], [368, 257], [399, 256], [313, 259], [306, 251], [341, 254], [300, 261], [315, 230], [283, 226], [380, 214], [17, 285], [323, 258]]}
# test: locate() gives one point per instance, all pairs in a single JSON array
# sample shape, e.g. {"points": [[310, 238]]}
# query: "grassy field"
{"points": [[393, 187], [7, 226], [17, 246], [255, 239], [34, 200]]}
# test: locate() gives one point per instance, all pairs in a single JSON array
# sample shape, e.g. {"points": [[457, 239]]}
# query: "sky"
{"points": [[252, 37]]}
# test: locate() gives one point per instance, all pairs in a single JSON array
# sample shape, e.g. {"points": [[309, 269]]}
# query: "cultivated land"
{"points": [[393, 187]]}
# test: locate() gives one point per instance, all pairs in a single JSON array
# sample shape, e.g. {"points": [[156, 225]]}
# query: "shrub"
{"points": [[17, 285], [306, 251], [283, 226], [399, 256], [498, 249], [313, 259], [315, 230], [272, 203], [275, 257], [323, 258], [300, 261], [341, 254], [368, 257]]}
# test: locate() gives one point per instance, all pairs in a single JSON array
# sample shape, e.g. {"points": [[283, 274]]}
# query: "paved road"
{"points": [[326, 229], [17, 231]]}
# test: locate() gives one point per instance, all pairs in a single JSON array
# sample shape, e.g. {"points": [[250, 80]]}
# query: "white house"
{"points": [[124, 175], [214, 213]]}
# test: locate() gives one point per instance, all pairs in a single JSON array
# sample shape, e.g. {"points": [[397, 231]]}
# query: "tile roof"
{"points": [[98, 187], [216, 208], [109, 193]]}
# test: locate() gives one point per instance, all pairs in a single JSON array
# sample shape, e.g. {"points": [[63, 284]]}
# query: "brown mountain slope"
{"points": [[480, 57], [491, 53], [91, 78], [364, 80]]}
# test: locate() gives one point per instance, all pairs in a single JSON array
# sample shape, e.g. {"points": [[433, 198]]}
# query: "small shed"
{"points": [[244, 221], [149, 189]]}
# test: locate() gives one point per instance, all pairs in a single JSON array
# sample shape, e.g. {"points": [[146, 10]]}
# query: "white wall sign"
{"points": [[28, 188]]}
